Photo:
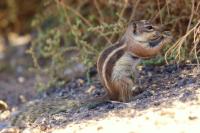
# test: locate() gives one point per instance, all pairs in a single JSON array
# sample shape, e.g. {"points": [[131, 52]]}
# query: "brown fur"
{"points": [[104, 54], [115, 91], [123, 87], [116, 64]]}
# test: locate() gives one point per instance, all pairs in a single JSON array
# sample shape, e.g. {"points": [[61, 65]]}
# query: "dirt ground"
{"points": [[16, 89], [169, 102]]}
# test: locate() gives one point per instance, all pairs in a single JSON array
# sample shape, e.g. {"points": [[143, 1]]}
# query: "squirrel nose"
{"points": [[156, 34]]}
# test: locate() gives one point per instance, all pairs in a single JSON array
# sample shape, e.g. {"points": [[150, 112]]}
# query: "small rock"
{"points": [[80, 81], [4, 115], [99, 128], [11, 130], [91, 89], [21, 79], [22, 98], [3, 105], [190, 81], [149, 74], [147, 94], [186, 95], [192, 117], [181, 83], [110, 106], [157, 103], [188, 61]]}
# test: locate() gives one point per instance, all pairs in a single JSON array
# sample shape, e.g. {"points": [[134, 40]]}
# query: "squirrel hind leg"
{"points": [[124, 89]]}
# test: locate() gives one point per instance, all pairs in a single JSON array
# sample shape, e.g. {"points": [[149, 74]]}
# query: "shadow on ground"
{"points": [[58, 107]]}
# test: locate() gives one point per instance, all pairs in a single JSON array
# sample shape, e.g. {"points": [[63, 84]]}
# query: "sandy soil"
{"points": [[169, 102]]}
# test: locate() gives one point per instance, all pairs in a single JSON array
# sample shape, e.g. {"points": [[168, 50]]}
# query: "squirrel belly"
{"points": [[122, 76], [116, 68]]}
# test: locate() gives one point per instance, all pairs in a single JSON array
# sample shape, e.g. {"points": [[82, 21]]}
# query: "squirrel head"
{"points": [[146, 39]]}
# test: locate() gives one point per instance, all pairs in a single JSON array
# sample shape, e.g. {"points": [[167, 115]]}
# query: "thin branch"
{"points": [[134, 10]]}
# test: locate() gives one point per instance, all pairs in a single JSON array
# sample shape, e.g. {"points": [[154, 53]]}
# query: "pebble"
{"points": [[3, 105]]}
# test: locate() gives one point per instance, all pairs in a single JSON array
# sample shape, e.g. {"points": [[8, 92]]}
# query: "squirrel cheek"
{"points": [[155, 35]]}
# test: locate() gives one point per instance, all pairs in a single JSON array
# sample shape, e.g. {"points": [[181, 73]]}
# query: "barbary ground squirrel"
{"points": [[116, 64]]}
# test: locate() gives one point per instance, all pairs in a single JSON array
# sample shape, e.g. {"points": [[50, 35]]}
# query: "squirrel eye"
{"points": [[149, 27]]}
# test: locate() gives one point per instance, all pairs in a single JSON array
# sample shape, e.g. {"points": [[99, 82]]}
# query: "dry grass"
{"points": [[180, 16], [87, 26]]}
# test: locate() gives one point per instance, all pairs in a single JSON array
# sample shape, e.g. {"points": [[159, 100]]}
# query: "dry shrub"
{"points": [[89, 25], [108, 19], [15, 15]]}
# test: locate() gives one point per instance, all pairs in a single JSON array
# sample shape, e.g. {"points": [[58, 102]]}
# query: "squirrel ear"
{"points": [[133, 24]]}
